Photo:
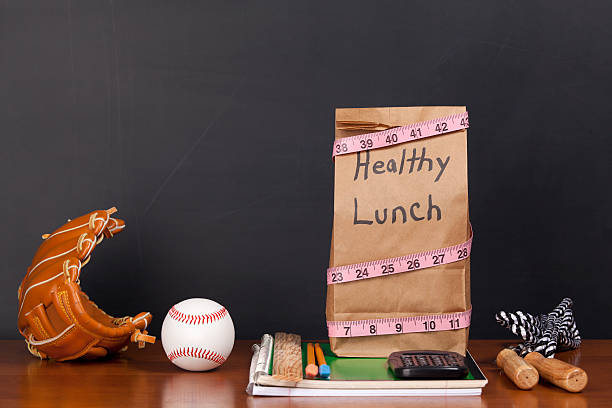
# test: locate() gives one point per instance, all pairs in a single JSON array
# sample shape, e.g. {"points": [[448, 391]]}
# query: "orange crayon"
{"points": [[311, 369]]}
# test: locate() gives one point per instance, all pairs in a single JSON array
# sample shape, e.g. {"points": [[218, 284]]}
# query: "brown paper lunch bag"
{"points": [[434, 175]]}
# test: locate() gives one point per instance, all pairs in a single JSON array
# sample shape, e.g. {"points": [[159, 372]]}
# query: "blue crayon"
{"points": [[324, 370]]}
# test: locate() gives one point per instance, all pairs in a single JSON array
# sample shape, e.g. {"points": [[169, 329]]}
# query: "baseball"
{"points": [[197, 334]]}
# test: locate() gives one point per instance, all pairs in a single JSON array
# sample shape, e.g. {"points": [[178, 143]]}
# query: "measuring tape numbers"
{"points": [[402, 134], [406, 263], [399, 325]]}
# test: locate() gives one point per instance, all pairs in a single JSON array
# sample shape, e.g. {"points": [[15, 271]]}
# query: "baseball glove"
{"points": [[55, 316]]}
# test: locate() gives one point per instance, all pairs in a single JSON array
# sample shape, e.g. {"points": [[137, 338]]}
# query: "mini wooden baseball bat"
{"points": [[560, 373], [520, 372]]}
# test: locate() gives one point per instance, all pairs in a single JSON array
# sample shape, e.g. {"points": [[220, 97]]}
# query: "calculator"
{"points": [[427, 364]]}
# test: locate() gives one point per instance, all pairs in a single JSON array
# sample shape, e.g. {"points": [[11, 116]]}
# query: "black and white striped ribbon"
{"points": [[546, 333]]}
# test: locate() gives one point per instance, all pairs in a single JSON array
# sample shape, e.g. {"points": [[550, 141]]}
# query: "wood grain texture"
{"points": [[142, 378], [560, 373], [287, 363], [520, 372]]}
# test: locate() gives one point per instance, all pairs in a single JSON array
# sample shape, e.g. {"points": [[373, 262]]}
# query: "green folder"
{"points": [[367, 369]]}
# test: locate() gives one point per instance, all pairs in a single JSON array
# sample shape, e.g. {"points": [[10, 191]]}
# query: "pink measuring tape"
{"points": [[399, 325], [403, 134], [406, 263]]}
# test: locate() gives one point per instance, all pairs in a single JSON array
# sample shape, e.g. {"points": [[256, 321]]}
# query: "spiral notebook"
{"points": [[351, 376]]}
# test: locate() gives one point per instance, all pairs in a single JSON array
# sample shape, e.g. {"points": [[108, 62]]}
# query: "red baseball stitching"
{"points": [[197, 353], [197, 319]]}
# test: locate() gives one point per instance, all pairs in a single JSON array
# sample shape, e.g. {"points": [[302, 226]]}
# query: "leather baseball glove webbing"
{"points": [[57, 319]]}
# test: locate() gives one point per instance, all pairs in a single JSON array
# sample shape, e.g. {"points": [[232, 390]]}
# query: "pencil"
{"points": [[324, 370], [311, 369]]}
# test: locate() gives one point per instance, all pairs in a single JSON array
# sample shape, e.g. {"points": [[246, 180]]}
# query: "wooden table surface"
{"points": [[140, 378]]}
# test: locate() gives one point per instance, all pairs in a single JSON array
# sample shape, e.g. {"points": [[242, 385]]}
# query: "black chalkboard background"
{"points": [[209, 125]]}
